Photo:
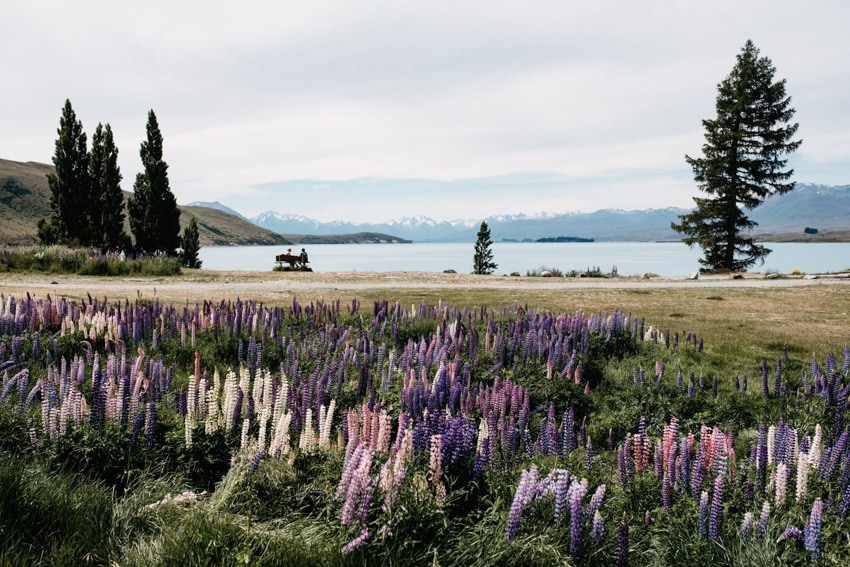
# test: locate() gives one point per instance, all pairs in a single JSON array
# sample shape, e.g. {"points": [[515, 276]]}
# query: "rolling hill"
{"points": [[24, 199]]}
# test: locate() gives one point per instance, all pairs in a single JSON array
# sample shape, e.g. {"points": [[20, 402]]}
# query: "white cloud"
{"points": [[609, 94]]}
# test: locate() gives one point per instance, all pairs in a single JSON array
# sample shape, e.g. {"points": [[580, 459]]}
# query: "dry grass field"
{"points": [[752, 313]]}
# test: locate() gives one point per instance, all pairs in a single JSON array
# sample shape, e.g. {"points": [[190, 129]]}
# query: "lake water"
{"points": [[667, 259]]}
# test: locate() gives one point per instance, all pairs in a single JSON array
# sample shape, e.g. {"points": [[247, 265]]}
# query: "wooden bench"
{"points": [[295, 261]]}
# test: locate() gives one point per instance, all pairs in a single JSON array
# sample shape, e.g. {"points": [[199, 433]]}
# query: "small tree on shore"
{"points": [[482, 262], [190, 245]]}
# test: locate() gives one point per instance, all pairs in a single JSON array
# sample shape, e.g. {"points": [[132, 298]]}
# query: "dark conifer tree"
{"points": [[742, 163], [107, 199], [154, 216], [69, 185], [190, 244], [482, 261]]}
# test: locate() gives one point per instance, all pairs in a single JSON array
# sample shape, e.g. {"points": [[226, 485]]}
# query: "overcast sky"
{"points": [[569, 106]]}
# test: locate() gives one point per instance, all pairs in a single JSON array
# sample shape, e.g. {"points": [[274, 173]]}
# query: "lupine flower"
{"points": [[761, 527], [576, 518], [812, 531], [702, 524], [622, 556], [715, 524], [802, 475], [781, 485], [561, 493], [791, 533], [356, 542], [747, 526], [597, 532], [521, 498]]}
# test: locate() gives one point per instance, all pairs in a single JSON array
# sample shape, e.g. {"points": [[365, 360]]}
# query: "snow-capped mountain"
{"points": [[815, 206]]}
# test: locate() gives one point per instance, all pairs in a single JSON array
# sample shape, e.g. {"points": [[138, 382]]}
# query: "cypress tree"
{"points": [[742, 163], [69, 186], [482, 261], [154, 216], [107, 213]]}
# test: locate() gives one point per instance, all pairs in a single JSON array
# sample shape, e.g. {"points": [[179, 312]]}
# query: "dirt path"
{"points": [[209, 283]]}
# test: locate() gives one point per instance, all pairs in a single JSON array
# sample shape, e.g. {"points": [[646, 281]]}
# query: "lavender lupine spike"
{"points": [[597, 531], [521, 498], [812, 532], [595, 501], [764, 517], [791, 533], [561, 496], [715, 524], [702, 523], [576, 518]]}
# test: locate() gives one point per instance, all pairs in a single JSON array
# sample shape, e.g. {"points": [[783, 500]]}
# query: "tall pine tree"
{"points": [[107, 199], [154, 216], [69, 185], [742, 163], [482, 261]]}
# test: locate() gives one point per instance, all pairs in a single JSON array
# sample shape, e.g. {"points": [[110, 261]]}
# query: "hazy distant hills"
{"points": [[826, 208]]}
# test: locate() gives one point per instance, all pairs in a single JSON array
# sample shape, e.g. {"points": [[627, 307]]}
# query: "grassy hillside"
{"points": [[24, 199]]}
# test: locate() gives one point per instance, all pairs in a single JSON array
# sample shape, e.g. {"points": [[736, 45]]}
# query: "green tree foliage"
{"points": [[190, 244], [107, 203], [482, 262], [154, 216], [742, 163], [69, 186]]}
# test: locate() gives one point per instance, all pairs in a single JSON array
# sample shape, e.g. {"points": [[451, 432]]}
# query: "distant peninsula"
{"points": [[564, 239]]}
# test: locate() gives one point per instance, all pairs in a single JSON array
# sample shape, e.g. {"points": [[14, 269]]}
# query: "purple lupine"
{"points": [[356, 542], [715, 524], [521, 497], [622, 556], [561, 493], [765, 390], [791, 533], [665, 494], [595, 501], [702, 524], [812, 531], [597, 531], [577, 492], [255, 462]]}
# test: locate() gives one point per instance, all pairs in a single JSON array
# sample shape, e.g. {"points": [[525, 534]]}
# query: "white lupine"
{"points": [[816, 449], [243, 442], [281, 402], [280, 441], [325, 421], [308, 436], [188, 425], [265, 415], [771, 440], [781, 485], [802, 475]]}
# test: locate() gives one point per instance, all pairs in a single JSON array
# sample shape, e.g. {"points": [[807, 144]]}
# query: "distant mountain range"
{"points": [[825, 208], [24, 199]]}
